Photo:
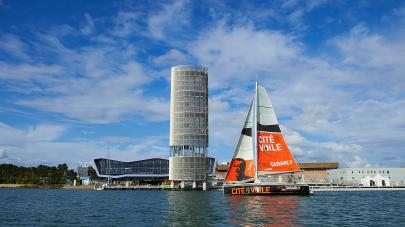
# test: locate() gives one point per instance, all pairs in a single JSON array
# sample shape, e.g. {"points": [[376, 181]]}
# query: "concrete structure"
{"points": [[84, 174], [221, 170], [189, 124], [368, 176], [316, 172]]}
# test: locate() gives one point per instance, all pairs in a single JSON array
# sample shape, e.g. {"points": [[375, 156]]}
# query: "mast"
{"points": [[108, 163], [254, 129]]}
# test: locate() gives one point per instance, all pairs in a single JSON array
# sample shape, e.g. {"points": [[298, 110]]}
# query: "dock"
{"points": [[353, 188], [149, 187]]}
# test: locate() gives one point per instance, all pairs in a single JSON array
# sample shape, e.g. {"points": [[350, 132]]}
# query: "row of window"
{"points": [[191, 110], [199, 93], [368, 171], [190, 73], [372, 171], [193, 82], [201, 105], [180, 116], [197, 87], [195, 120], [199, 98], [199, 128]]}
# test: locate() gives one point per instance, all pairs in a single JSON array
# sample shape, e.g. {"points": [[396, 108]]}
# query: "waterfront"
{"points": [[87, 207]]}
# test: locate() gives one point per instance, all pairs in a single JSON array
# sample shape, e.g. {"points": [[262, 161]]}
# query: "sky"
{"points": [[76, 76]]}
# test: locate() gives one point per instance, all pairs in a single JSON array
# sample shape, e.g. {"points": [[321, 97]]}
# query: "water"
{"points": [[35, 207]]}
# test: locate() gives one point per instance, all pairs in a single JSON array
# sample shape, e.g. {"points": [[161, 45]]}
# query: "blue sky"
{"points": [[77, 74]]}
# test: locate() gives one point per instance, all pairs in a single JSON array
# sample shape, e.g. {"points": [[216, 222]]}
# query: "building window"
{"points": [[388, 171], [359, 171], [352, 171]]}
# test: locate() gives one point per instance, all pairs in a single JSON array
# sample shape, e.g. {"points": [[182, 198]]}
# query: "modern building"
{"points": [[152, 170], [148, 170], [368, 176], [188, 160]]}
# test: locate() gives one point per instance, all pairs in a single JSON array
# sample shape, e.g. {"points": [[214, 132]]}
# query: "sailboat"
{"points": [[262, 163]]}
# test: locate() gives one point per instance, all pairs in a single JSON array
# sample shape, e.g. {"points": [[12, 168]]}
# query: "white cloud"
{"points": [[172, 57], [100, 84], [43, 144], [358, 162], [12, 45], [343, 148], [38, 133], [217, 105], [88, 27], [369, 50], [126, 24], [345, 107], [3, 154], [171, 18], [291, 137], [236, 54]]}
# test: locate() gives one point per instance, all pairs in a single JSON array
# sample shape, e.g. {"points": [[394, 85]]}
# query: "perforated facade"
{"points": [[188, 123]]}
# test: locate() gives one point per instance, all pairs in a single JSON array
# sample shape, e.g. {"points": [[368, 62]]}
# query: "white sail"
{"points": [[242, 164]]}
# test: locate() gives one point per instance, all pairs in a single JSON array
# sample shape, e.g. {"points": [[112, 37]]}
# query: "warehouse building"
{"points": [[379, 177]]}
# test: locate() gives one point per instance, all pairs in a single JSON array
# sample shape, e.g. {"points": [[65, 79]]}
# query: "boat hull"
{"points": [[266, 189]]}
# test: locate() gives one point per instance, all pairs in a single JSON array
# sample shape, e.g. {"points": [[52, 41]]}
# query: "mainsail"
{"points": [[273, 154], [242, 164]]}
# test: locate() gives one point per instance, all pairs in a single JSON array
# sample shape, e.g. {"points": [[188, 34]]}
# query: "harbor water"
{"points": [[33, 207]]}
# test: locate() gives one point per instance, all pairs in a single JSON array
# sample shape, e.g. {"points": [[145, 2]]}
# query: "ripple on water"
{"points": [[87, 207]]}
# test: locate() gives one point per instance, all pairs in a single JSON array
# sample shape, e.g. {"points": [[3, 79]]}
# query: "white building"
{"points": [[368, 176]]}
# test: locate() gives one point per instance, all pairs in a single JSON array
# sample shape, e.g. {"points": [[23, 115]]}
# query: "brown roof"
{"points": [[319, 165], [222, 167]]}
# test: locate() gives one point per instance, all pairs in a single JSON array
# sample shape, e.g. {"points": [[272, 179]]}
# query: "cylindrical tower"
{"points": [[188, 123]]}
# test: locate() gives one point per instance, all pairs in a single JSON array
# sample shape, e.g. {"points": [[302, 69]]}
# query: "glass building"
{"points": [[142, 169], [148, 169]]}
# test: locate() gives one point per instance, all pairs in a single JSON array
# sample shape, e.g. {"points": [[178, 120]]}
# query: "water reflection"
{"points": [[279, 210], [214, 208], [191, 208]]}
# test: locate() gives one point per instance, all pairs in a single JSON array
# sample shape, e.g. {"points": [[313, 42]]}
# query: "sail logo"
{"points": [[267, 143], [250, 190], [281, 163]]}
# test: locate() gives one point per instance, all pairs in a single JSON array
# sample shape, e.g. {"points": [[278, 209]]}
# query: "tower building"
{"points": [[188, 160]]}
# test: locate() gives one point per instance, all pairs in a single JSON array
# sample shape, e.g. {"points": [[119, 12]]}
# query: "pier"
{"points": [[353, 189], [152, 187]]}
